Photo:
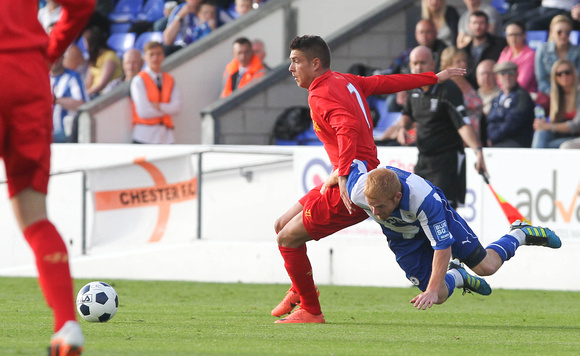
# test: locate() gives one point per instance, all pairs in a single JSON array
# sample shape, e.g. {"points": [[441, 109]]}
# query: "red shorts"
{"points": [[325, 214], [25, 120]]}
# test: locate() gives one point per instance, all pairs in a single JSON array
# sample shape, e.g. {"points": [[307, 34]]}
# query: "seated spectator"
{"points": [[161, 24], [206, 22], [445, 18], [564, 124], [488, 88], [244, 67], [518, 52], [132, 65], [237, 9], [104, 65], [558, 46], [49, 14], [482, 46], [457, 58], [69, 93], [259, 49], [182, 20], [511, 117], [155, 98], [495, 24], [539, 18]]}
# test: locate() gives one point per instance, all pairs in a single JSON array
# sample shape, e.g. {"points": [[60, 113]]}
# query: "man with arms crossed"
{"points": [[342, 121], [25, 136]]}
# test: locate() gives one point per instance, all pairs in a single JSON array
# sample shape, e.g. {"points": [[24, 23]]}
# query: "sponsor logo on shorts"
{"points": [[441, 231], [307, 214], [415, 281]]}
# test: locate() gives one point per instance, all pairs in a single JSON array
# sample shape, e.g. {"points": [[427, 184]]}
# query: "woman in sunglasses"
{"points": [[557, 47], [564, 124]]}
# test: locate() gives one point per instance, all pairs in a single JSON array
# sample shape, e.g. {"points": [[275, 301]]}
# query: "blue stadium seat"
{"points": [[574, 37], [501, 6], [152, 11], [148, 37], [280, 142], [536, 38], [122, 27], [308, 138], [120, 42], [385, 122], [126, 11]]}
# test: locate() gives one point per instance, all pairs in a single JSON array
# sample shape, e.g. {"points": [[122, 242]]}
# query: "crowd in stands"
{"points": [[119, 44], [514, 95]]}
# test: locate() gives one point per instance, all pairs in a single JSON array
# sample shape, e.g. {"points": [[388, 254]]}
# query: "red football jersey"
{"points": [[341, 116], [21, 31]]}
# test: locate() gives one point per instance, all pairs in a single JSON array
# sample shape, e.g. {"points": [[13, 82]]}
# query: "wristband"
{"points": [[478, 149], [178, 18]]}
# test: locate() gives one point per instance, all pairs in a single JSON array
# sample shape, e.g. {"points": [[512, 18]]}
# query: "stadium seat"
{"points": [[385, 122], [152, 11], [122, 27], [574, 37], [501, 6], [536, 38], [148, 37], [308, 138], [126, 11], [120, 42]]}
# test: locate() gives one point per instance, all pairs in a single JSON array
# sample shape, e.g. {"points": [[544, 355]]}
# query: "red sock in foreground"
{"points": [[53, 270], [300, 271]]}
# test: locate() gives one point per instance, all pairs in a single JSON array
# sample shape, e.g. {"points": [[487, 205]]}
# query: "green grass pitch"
{"points": [[184, 318]]}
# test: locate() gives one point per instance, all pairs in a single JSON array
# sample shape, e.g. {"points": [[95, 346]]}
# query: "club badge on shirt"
{"points": [[434, 102]]}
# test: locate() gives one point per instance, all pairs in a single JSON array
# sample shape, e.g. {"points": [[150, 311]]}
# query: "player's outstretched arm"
{"points": [[344, 194], [450, 72], [330, 181], [436, 291]]}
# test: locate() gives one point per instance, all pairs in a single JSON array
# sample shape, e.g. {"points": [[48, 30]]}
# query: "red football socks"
{"points": [[53, 270], [300, 271]]}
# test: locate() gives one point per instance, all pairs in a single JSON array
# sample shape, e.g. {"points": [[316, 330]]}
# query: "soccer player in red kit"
{"points": [[342, 121], [25, 136]]}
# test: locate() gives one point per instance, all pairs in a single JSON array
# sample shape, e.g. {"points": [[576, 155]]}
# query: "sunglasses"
{"points": [[564, 72], [507, 72]]}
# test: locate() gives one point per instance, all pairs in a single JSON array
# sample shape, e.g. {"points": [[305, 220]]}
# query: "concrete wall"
{"points": [[249, 116]]}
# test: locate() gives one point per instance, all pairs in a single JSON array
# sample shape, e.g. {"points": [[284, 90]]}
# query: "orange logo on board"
{"points": [[162, 194]]}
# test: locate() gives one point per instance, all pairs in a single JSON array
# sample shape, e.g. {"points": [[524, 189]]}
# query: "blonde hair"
{"points": [[557, 98], [151, 45], [556, 20], [382, 183], [426, 15], [448, 54]]}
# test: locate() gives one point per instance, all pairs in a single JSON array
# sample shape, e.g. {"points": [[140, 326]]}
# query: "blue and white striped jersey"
{"points": [[421, 214], [67, 85]]}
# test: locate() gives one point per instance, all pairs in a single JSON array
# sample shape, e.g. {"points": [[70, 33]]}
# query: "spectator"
{"points": [[488, 88], [155, 98], [161, 24], [244, 67], [49, 14], [182, 20], [259, 49], [68, 92], [482, 46], [75, 60], [104, 65], [564, 124], [558, 46], [237, 9], [494, 28], [510, 120], [518, 52], [442, 131], [452, 57], [132, 65], [539, 18], [206, 22], [444, 17]]}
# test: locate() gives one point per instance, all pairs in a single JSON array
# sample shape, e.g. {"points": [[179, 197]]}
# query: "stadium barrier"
{"points": [[225, 233]]}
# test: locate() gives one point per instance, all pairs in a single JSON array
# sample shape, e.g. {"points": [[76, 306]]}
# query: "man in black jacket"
{"points": [[482, 46]]}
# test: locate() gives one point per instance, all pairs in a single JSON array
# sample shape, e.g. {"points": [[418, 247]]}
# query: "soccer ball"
{"points": [[97, 302]]}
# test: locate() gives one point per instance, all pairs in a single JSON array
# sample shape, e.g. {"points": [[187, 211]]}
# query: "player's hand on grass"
{"points": [[425, 300], [344, 194], [450, 72]]}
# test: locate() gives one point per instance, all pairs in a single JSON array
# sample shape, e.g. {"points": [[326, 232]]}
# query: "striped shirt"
{"points": [[66, 85]]}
